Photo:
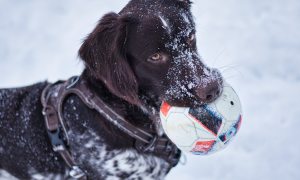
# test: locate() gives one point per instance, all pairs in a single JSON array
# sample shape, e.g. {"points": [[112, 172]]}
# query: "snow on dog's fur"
{"points": [[133, 60]]}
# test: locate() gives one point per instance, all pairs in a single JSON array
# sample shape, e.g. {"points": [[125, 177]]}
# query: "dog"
{"points": [[134, 60]]}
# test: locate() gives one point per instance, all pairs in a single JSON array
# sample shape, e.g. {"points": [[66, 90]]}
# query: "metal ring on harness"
{"points": [[145, 148], [73, 81]]}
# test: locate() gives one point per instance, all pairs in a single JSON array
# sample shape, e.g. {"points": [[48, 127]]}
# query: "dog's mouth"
{"points": [[187, 101]]}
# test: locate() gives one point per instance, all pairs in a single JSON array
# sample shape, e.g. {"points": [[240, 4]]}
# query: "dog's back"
{"points": [[23, 138]]}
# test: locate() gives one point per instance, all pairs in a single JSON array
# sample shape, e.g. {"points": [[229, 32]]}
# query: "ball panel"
{"points": [[180, 129], [225, 127], [219, 145], [227, 135], [163, 120], [202, 133], [228, 105], [202, 127]]}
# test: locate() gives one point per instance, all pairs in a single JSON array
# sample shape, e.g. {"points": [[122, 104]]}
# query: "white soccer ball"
{"points": [[206, 129]]}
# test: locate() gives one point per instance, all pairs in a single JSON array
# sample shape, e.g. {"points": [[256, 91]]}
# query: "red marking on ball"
{"points": [[203, 146], [165, 108]]}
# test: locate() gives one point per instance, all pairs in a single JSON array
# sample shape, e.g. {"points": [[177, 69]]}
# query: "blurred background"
{"points": [[255, 43]]}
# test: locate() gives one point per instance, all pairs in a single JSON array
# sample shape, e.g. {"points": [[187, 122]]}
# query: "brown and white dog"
{"points": [[134, 60]]}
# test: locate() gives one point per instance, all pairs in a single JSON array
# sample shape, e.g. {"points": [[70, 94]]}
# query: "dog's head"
{"points": [[150, 46]]}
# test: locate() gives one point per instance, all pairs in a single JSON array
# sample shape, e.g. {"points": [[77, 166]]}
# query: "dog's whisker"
{"points": [[231, 77], [218, 56], [236, 73], [229, 66]]}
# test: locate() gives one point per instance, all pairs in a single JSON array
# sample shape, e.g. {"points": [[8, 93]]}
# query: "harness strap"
{"points": [[53, 98], [55, 134], [94, 102]]}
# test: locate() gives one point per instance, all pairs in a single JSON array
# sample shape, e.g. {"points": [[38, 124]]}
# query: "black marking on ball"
{"points": [[207, 118]]}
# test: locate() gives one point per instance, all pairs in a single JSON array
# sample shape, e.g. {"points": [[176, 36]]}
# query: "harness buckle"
{"points": [[147, 147], [56, 140], [51, 118]]}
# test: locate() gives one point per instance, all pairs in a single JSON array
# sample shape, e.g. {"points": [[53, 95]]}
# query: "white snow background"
{"points": [[255, 43]]}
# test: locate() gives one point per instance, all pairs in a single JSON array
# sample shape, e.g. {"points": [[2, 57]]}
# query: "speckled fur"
{"points": [[107, 152], [100, 149]]}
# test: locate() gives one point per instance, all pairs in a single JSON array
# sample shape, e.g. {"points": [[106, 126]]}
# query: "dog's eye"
{"points": [[191, 39], [157, 58]]}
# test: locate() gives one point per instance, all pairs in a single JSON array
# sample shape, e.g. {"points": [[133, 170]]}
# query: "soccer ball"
{"points": [[206, 129]]}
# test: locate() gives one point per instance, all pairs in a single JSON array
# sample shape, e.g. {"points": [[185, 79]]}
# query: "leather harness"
{"points": [[53, 98]]}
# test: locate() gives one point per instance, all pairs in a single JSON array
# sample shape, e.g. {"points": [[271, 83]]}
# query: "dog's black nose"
{"points": [[209, 94], [211, 89]]}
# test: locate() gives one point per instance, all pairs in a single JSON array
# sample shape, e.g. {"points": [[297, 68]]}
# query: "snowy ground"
{"points": [[256, 43]]}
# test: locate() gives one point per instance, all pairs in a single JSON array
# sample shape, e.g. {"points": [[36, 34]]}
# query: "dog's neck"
{"points": [[145, 115]]}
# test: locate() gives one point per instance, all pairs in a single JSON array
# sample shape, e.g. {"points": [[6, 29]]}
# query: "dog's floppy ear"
{"points": [[104, 54]]}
